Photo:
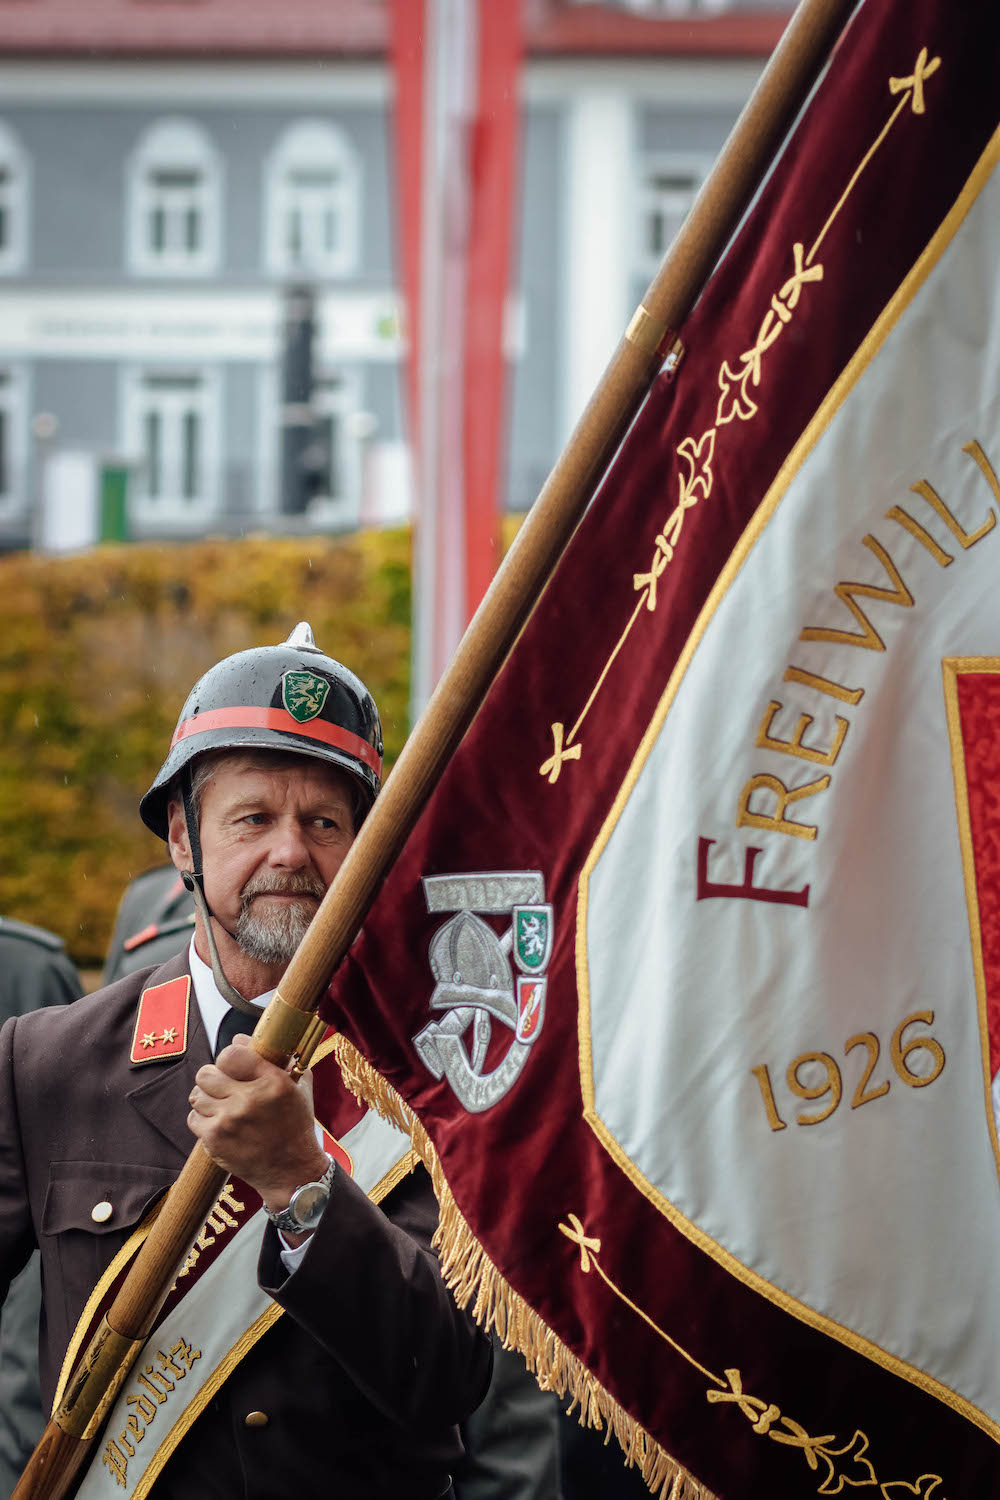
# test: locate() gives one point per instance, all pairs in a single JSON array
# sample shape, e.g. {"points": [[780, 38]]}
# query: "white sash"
{"points": [[190, 1354]]}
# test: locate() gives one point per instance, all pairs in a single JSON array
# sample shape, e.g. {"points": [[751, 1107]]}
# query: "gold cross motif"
{"points": [[574, 1231], [553, 765], [792, 289], [922, 69], [662, 556]]}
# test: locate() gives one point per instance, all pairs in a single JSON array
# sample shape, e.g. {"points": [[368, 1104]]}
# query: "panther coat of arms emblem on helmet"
{"points": [[304, 694]]}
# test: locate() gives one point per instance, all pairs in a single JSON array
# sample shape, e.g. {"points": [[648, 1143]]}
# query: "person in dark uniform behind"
{"points": [[34, 972], [154, 921]]}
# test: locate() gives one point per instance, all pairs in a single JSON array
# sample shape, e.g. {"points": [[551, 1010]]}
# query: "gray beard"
{"points": [[270, 935]]}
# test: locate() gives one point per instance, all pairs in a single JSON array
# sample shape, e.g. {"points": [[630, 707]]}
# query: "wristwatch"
{"points": [[306, 1205]]}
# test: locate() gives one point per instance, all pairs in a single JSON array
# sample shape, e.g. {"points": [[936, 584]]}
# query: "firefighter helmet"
{"points": [[286, 697]]}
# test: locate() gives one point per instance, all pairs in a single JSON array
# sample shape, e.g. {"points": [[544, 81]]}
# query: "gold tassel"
{"points": [[472, 1278]]}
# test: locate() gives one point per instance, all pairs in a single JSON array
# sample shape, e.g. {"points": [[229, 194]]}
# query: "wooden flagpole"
{"points": [[288, 1028]]}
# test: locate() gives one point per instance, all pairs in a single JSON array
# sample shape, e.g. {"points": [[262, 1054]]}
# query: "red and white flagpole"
{"points": [[456, 67]]}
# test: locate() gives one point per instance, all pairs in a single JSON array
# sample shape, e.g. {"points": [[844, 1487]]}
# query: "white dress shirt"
{"points": [[213, 1006]]}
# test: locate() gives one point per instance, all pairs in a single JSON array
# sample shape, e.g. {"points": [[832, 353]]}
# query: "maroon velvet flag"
{"points": [[684, 978]]}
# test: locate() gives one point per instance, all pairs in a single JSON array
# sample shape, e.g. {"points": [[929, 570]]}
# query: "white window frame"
{"points": [[173, 145], [346, 403], [689, 165], [15, 198], [171, 509], [312, 147], [336, 395], [14, 462]]}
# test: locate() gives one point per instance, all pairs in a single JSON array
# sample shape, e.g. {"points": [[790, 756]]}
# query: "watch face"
{"points": [[308, 1203]]}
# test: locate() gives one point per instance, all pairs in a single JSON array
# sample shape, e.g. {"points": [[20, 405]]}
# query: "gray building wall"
{"points": [[79, 154]]}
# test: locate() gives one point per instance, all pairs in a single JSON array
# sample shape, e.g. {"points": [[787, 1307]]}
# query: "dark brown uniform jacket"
{"points": [[365, 1375]]}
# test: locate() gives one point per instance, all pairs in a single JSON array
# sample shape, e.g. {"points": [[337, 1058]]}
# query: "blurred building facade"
{"points": [[169, 168]]}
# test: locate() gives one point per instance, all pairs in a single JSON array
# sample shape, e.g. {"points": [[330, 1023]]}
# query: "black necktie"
{"points": [[232, 1022]]}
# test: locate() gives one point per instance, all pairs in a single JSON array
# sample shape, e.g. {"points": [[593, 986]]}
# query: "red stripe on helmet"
{"points": [[280, 719]]}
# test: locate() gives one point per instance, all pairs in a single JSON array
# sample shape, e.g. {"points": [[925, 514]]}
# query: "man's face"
{"points": [[272, 839]]}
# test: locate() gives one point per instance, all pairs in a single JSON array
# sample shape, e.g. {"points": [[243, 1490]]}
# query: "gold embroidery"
{"points": [[119, 1449], [473, 1279], [964, 538], [824, 685], [868, 637], [899, 1051], [256, 1331], [170, 1034], [149, 1039], [777, 822], [766, 741], [923, 69], [941, 557], [863, 1094], [736, 403], [834, 1086], [553, 765], [924, 1489], [837, 395], [763, 1077], [831, 1464], [116, 1462], [222, 1217]]}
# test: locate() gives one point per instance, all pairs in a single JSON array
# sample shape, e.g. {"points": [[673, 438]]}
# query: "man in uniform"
{"points": [[153, 922], [34, 972], [352, 1380]]}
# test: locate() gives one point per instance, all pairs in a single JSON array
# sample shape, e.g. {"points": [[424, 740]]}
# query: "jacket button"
{"points": [[101, 1212], [256, 1419]]}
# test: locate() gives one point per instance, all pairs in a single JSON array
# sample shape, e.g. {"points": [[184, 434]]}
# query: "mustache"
{"points": [[294, 883]]}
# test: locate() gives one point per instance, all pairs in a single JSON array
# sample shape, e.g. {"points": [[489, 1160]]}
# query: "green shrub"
{"points": [[98, 652]]}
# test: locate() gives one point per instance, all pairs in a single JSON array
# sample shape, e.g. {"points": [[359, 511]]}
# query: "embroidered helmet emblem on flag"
{"points": [[303, 694], [474, 981], [762, 1109]]}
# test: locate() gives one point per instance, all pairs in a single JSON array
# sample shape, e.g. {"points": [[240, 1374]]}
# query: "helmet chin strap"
{"points": [[194, 882]]}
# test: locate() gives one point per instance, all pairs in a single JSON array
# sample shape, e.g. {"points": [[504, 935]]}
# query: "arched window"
{"points": [[13, 203], [174, 209], [312, 203]]}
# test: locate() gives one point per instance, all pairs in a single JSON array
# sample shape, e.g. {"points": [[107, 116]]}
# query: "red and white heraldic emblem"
{"points": [[161, 1023], [530, 1007]]}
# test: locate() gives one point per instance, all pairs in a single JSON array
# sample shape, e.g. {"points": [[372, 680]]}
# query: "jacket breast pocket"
{"points": [[90, 1210]]}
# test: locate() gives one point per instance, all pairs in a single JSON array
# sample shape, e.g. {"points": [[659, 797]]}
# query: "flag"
{"points": [[456, 73], [687, 980]]}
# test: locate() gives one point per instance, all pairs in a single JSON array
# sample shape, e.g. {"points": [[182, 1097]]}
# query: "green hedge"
{"points": [[98, 652]]}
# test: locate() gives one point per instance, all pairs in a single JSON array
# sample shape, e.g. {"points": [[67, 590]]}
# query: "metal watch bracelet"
{"points": [[306, 1205]]}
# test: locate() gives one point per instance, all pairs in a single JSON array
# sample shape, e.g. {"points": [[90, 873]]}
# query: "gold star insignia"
{"points": [[149, 1039], [170, 1034]]}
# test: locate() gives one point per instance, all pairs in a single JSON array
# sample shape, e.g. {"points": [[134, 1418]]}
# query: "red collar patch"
{"points": [[161, 1024]]}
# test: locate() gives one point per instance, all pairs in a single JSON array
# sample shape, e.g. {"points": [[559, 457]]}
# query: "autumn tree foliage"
{"points": [[97, 653]]}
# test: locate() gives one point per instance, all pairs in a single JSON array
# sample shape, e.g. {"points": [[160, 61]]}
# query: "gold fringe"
{"points": [[473, 1278]]}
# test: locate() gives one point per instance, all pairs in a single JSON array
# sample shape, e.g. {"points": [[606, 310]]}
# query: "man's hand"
{"points": [[254, 1120]]}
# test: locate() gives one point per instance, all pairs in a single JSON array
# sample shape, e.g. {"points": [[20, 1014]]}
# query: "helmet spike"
{"points": [[301, 638]]}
